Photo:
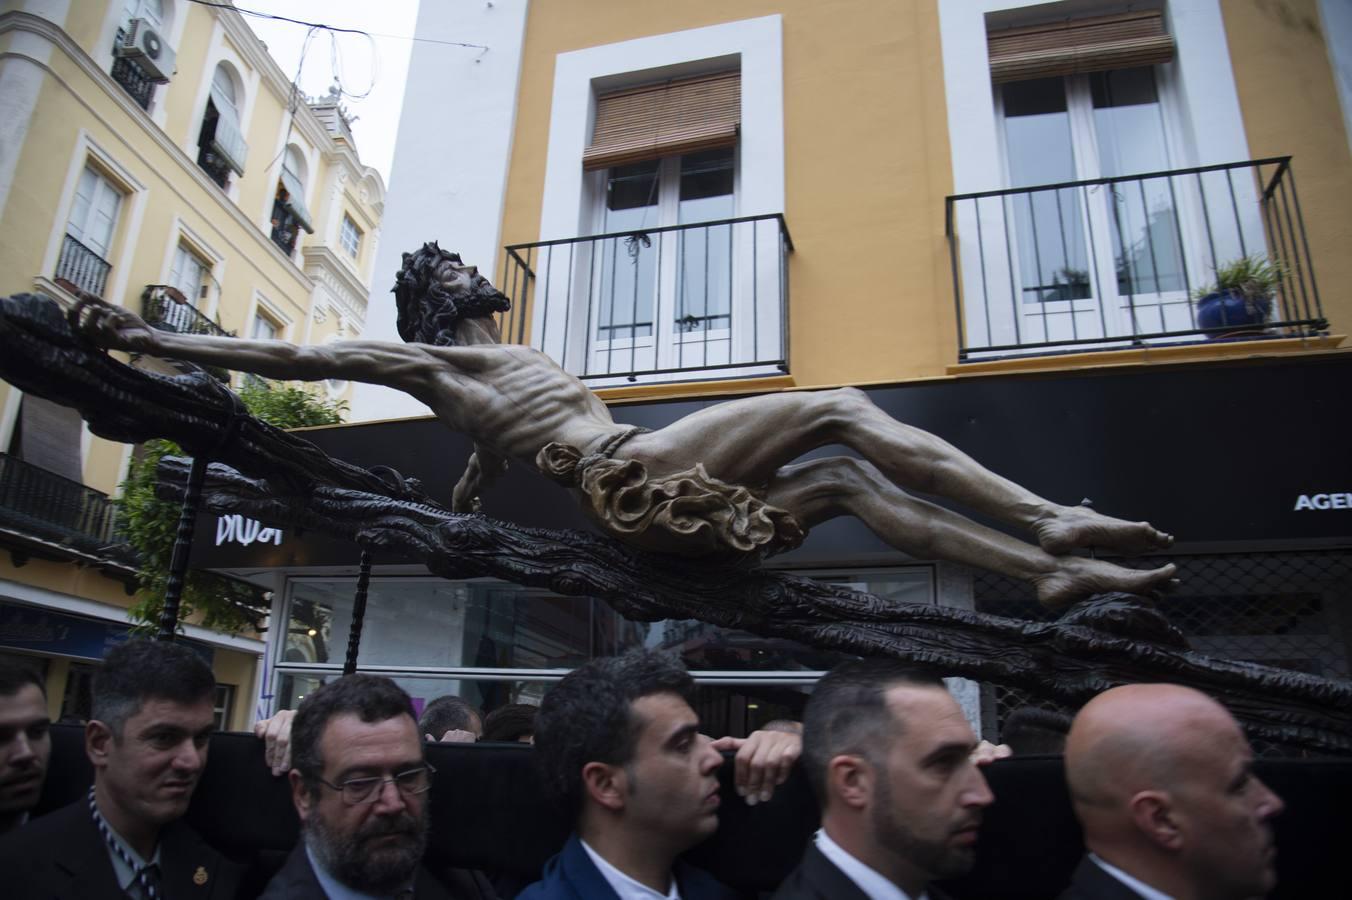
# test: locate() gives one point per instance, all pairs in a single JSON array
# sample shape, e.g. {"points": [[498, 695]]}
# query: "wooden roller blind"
{"points": [[673, 117], [1079, 45]]}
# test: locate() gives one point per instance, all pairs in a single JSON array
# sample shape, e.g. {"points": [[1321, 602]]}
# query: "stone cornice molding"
{"points": [[324, 266], [53, 34]]}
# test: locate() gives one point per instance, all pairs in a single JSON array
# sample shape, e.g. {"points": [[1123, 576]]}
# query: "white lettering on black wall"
{"points": [[235, 527], [1323, 501]]}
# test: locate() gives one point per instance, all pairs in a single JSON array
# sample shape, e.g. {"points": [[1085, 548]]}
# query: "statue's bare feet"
{"points": [[1073, 527], [1076, 578]]}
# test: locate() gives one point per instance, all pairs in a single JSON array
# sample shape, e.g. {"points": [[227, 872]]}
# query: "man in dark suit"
{"points": [[891, 759], [1161, 778], [359, 783], [152, 715], [25, 743], [620, 745]]}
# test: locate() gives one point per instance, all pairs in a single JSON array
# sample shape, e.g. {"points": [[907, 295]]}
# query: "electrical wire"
{"points": [[334, 28]]}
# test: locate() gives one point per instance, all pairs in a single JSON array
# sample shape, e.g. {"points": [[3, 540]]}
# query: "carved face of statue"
{"points": [[458, 279]]}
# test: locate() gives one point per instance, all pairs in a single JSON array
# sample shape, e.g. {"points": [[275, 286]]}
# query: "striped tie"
{"points": [[147, 876]]}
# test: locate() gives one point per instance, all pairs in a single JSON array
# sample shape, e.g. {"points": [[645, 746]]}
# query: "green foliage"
{"points": [[1252, 277], [150, 524]]}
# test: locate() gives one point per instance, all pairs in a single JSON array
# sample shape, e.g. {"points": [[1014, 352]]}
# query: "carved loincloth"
{"points": [[690, 513]]}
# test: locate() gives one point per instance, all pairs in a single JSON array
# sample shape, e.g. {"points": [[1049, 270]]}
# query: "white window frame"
{"points": [[1199, 100], [247, 87], [104, 191], [170, 28], [182, 234], [349, 224], [571, 196], [85, 152]]}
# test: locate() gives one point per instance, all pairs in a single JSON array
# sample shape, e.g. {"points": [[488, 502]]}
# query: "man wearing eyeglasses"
{"points": [[359, 782]]}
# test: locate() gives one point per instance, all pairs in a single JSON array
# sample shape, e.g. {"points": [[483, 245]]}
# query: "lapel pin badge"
{"points": [[199, 877]]}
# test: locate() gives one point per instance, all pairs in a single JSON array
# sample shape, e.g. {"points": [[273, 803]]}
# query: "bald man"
{"points": [[1161, 778]]}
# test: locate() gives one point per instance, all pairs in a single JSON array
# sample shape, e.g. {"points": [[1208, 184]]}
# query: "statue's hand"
{"points": [[463, 498], [113, 327]]}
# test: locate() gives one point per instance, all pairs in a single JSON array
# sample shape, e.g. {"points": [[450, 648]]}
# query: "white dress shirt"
{"points": [[874, 884], [624, 886], [1140, 887]]}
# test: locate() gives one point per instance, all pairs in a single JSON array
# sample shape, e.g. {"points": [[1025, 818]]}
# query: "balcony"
{"points": [[165, 307], [82, 267], [1113, 263], [670, 304], [41, 509], [127, 72]]}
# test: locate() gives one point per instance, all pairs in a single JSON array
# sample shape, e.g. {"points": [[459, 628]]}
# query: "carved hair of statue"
{"points": [[428, 312]]}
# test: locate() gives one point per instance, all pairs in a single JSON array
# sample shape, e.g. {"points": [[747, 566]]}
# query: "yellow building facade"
{"points": [[1004, 220], [156, 156]]}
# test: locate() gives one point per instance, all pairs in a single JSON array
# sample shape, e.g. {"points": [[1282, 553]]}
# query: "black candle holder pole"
{"points": [[358, 613]]}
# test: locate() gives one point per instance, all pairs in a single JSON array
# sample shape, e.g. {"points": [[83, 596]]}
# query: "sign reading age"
{"points": [[1323, 501]]}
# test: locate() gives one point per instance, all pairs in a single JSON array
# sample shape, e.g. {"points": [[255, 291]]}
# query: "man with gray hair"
{"points": [[891, 759], [359, 783], [153, 712]]}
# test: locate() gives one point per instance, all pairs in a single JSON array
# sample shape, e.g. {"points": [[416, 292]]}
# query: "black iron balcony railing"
{"points": [[82, 267], [674, 303], [1119, 262], [163, 307], [47, 508], [128, 73]]}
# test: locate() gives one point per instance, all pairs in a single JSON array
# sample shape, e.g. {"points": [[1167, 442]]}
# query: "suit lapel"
{"points": [[581, 874], [84, 860], [826, 878], [191, 868], [1093, 883]]}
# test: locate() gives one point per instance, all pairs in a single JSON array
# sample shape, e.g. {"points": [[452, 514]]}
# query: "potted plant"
{"points": [[1241, 296]]}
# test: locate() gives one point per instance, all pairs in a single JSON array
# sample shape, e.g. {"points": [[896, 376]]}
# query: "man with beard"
{"points": [[153, 712], [25, 743], [891, 759], [1161, 778], [359, 782], [725, 480]]}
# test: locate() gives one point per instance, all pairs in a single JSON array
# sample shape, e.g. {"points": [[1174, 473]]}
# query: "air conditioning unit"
{"points": [[151, 52]]}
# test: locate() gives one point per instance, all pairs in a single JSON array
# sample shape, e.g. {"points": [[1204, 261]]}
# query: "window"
{"points": [[264, 329], [678, 190], [189, 274], [136, 71], [220, 142], [350, 236], [223, 699], [289, 213], [715, 88], [89, 232]]}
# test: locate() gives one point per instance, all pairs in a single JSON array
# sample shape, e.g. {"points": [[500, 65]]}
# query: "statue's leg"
{"points": [[822, 489], [746, 441]]}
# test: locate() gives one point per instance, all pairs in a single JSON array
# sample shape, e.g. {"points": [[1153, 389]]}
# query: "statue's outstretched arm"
{"points": [[403, 366]]}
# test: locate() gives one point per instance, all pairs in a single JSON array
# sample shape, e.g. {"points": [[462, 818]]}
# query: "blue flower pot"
{"points": [[1224, 312]]}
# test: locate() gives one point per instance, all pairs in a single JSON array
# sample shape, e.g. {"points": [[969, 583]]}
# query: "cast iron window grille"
{"points": [[285, 227], [128, 73], [1109, 263], [82, 267], [46, 507], [164, 307], [677, 303]]}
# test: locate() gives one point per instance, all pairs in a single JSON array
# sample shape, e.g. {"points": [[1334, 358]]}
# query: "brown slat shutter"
{"points": [[50, 436], [665, 119], [1079, 45]]}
